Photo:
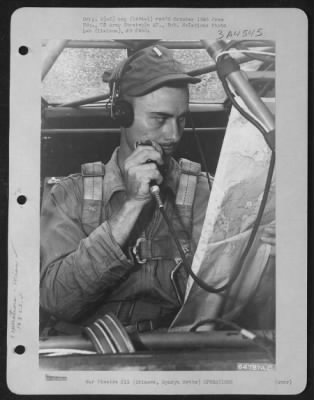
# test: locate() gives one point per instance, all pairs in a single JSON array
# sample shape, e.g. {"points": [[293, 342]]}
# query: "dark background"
{"points": [[7, 8]]}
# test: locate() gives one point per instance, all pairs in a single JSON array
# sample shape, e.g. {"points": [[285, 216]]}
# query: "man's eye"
{"points": [[160, 119]]}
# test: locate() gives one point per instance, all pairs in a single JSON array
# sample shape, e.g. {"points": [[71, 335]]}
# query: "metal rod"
{"points": [[264, 75], [192, 340], [92, 99], [240, 60], [178, 44], [196, 72], [158, 340], [112, 130], [53, 49], [107, 44], [66, 342], [92, 108]]}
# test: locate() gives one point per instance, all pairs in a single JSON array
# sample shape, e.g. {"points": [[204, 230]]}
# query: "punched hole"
{"points": [[21, 199], [23, 50], [19, 349]]}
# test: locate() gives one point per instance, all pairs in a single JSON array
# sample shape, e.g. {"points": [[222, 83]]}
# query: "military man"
{"points": [[104, 245]]}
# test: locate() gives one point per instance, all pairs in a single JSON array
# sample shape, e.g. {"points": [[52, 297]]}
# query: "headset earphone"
{"points": [[120, 110]]}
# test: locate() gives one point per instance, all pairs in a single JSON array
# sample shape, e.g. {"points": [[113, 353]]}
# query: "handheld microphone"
{"points": [[154, 187]]}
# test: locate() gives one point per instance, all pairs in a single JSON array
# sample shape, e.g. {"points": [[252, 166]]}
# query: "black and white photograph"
{"points": [[157, 256]]}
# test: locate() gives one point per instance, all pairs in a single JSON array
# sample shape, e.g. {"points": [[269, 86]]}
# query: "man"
{"points": [[127, 263]]}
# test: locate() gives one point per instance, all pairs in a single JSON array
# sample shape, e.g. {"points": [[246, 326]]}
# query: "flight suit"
{"points": [[85, 273]]}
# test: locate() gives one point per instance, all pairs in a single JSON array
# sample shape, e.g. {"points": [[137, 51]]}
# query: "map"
{"points": [[232, 209]]}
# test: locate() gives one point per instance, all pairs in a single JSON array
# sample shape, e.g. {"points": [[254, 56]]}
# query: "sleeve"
{"points": [[76, 270]]}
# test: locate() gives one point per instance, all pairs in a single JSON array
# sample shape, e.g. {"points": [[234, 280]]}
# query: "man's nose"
{"points": [[174, 130]]}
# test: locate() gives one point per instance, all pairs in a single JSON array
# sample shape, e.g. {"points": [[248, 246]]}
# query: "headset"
{"points": [[120, 110]]}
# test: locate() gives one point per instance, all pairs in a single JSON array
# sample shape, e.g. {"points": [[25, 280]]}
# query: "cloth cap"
{"points": [[149, 69]]}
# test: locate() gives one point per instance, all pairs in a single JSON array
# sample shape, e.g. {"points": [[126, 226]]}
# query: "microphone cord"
{"points": [[186, 264], [263, 342]]}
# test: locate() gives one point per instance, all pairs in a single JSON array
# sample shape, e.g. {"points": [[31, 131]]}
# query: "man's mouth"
{"points": [[168, 148]]}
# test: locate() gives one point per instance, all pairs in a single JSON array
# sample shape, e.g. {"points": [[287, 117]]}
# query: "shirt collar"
{"points": [[113, 181]]}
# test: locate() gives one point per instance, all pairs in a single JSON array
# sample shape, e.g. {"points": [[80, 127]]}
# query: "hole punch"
{"points": [[23, 50], [19, 349], [21, 199]]}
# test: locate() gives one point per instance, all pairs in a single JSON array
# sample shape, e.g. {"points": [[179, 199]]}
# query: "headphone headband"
{"points": [[120, 110]]}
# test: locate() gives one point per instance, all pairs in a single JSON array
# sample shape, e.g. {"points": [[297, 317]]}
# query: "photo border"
{"points": [[22, 215]]}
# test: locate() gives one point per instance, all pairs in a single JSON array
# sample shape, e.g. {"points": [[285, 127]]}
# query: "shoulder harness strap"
{"points": [[161, 247], [186, 191], [93, 176]]}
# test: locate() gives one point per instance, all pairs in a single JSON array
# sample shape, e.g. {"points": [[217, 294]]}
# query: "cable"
{"points": [[254, 56], [267, 86], [241, 47], [240, 263], [186, 264], [225, 52], [200, 150], [257, 43], [216, 321], [257, 339]]}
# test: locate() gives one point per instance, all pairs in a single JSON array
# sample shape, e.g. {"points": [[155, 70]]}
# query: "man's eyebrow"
{"points": [[167, 115]]}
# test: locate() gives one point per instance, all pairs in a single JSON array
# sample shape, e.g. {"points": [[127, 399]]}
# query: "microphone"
{"points": [[155, 191], [231, 71], [154, 187]]}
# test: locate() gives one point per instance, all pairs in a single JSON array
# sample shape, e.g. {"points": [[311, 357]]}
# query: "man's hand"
{"points": [[140, 168], [269, 237]]}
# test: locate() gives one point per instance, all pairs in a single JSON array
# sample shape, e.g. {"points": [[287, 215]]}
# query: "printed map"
{"points": [[232, 209]]}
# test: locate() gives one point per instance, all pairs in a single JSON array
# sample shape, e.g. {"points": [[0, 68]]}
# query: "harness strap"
{"points": [[157, 249], [186, 191], [145, 249], [93, 175]]}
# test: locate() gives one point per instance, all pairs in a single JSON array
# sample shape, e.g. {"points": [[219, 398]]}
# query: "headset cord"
{"points": [[264, 343], [200, 150]]}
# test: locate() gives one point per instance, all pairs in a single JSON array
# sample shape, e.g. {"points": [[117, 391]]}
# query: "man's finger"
{"points": [[143, 154], [146, 173]]}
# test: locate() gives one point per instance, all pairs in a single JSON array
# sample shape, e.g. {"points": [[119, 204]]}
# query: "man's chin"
{"points": [[168, 151]]}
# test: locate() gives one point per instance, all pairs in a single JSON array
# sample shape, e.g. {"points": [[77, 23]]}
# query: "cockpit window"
{"points": [[77, 74]]}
